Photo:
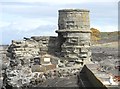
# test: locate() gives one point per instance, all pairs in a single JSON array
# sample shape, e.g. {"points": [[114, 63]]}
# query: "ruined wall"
{"points": [[32, 47], [43, 53], [31, 52], [74, 34], [27, 58]]}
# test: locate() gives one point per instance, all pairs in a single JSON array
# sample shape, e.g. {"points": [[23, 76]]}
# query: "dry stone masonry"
{"points": [[74, 35], [39, 55]]}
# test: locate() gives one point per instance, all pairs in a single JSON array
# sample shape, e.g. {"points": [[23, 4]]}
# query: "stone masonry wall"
{"points": [[74, 35], [32, 47]]}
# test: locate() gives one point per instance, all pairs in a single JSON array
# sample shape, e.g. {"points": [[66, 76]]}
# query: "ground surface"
{"points": [[61, 82]]}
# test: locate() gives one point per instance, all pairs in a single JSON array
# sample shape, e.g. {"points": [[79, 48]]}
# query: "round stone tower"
{"points": [[74, 35]]}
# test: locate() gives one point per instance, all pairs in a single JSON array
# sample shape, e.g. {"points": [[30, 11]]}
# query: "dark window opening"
{"points": [[36, 61], [89, 44], [70, 22]]}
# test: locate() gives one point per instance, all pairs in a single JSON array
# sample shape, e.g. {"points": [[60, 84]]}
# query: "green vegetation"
{"points": [[109, 37], [95, 35], [104, 37]]}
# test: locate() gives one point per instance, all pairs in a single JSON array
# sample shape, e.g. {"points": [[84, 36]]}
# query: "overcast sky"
{"points": [[26, 18]]}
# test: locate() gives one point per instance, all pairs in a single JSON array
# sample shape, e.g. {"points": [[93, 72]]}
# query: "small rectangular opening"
{"points": [[37, 61]]}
